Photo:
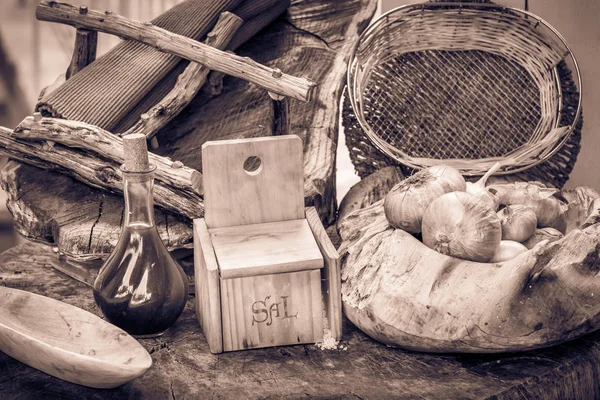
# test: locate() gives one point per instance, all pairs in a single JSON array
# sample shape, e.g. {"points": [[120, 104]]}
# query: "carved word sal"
{"points": [[265, 311]]}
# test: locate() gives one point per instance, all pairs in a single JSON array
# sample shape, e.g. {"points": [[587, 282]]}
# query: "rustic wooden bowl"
{"points": [[400, 292], [67, 342]]}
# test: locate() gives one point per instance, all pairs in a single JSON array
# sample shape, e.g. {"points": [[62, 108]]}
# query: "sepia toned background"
{"points": [[41, 51]]}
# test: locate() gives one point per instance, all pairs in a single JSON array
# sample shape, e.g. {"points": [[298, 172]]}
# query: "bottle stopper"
{"points": [[135, 152]]}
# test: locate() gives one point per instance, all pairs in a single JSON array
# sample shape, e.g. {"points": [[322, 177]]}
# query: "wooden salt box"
{"points": [[266, 272]]}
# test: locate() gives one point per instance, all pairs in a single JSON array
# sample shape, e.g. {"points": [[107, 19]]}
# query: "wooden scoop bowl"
{"points": [[68, 342]]}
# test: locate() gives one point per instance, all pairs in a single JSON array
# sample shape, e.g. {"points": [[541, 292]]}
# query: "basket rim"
{"points": [[506, 168]]}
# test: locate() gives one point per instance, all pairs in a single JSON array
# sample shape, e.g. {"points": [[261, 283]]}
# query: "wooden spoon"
{"points": [[68, 342]]}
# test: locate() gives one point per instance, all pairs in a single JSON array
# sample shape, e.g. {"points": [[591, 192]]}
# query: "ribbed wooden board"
{"points": [[183, 367], [314, 39]]}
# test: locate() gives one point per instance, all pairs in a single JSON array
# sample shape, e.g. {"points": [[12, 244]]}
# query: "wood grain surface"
{"points": [[263, 249], [405, 294], [208, 287], [84, 53], [271, 310], [68, 342], [313, 39], [253, 181], [183, 367], [330, 274]]}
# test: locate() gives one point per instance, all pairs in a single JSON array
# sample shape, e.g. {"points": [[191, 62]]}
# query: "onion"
{"points": [[460, 225], [518, 222], [549, 234], [507, 249], [479, 190], [548, 209], [405, 204]]}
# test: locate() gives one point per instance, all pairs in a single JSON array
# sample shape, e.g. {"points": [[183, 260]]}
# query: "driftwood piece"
{"points": [[301, 52], [93, 171], [106, 91], [184, 368], [281, 111], [189, 82], [84, 52], [402, 293], [163, 40], [79, 135], [270, 10], [86, 231], [242, 110]]}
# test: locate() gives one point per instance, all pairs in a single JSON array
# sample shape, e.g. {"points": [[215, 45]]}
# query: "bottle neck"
{"points": [[139, 203]]}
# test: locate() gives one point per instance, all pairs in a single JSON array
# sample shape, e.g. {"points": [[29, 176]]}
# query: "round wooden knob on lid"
{"points": [[135, 151]]}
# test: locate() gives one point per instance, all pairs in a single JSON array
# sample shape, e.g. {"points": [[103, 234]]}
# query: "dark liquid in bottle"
{"points": [[141, 288]]}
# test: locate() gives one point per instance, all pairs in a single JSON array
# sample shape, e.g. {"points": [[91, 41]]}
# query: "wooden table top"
{"points": [[184, 368]]}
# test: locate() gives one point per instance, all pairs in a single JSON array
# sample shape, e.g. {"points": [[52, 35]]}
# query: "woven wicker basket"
{"points": [[464, 84]]}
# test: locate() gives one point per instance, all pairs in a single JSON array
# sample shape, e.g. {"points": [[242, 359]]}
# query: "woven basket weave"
{"points": [[464, 84]]}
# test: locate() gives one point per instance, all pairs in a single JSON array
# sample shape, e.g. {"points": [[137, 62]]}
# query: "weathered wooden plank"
{"points": [[183, 367]]}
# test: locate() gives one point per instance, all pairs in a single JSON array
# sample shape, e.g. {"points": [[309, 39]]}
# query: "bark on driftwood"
{"points": [[84, 231], [314, 39], [78, 135], [404, 294], [84, 53], [94, 171], [188, 83], [163, 40]]}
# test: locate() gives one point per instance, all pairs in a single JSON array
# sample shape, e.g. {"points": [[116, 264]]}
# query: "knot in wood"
{"points": [[177, 164], [108, 174], [83, 10], [277, 73]]}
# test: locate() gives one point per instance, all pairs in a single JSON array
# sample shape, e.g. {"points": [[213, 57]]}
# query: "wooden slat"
{"points": [[330, 275], [263, 249], [206, 270]]}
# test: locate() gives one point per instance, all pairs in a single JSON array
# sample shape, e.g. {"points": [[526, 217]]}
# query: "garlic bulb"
{"points": [[518, 222], [507, 249], [460, 225], [405, 204], [541, 199], [478, 188], [549, 234]]}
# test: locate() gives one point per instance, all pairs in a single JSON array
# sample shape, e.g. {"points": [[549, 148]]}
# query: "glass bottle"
{"points": [[140, 287]]}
